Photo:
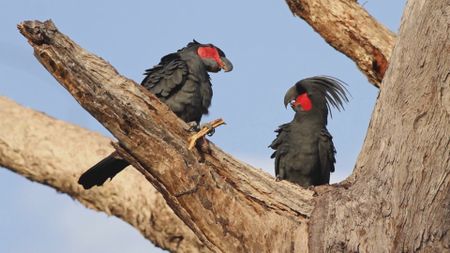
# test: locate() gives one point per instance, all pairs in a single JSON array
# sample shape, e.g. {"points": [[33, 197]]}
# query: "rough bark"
{"points": [[55, 153], [230, 206], [350, 29], [399, 198]]}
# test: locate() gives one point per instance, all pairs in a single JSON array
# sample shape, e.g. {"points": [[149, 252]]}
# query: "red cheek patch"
{"points": [[209, 52], [303, 101]]}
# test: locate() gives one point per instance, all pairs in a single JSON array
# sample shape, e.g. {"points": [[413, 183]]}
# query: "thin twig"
{"points": [[204, 131]]}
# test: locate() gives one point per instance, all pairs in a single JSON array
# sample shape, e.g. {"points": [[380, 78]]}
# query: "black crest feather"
{"points": [[332, 88], [193, 43]]}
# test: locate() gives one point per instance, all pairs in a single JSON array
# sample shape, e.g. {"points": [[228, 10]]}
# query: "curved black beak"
{"points": [[227, 66], [291, 94]]}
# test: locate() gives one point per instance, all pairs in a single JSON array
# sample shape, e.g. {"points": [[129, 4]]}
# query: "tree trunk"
{"points": [[396, 200], [399, 198]]}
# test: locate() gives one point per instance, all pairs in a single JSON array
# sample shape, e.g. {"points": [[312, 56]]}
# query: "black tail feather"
{"points": [[102, 171]]}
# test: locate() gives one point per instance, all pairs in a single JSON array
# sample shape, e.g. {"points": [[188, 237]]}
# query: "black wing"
{"points": [[326, 156], [167, 77], [281, 148]]}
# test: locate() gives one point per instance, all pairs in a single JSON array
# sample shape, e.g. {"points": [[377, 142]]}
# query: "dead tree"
{"points": [[397, 198]]}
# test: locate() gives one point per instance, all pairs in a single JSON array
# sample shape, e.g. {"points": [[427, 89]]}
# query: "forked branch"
{"points": [[206, 195], [204, 131]]}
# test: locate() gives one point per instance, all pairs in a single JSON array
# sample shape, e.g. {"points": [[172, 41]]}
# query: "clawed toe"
{"points": [[209, 126], [193, 126]]}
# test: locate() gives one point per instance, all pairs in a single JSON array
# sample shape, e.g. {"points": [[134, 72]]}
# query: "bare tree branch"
{"points": [[347, 27], [397, 199], [55, 153], [207, 195]]}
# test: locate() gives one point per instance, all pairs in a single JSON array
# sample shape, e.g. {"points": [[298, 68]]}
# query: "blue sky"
{"points": [[270, 50]]}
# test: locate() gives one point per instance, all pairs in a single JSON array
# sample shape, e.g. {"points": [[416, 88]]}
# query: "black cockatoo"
{"points": [[181, 81], [304, 150]]}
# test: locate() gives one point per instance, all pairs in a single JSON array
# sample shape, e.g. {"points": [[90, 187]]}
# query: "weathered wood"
{"points": [[350, 29], [56, 153], [230, 206], [398, 198]]}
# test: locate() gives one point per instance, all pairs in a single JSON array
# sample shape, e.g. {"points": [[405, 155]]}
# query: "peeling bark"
{"points": [[350, 29], [230, 206], [55, 153]]}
